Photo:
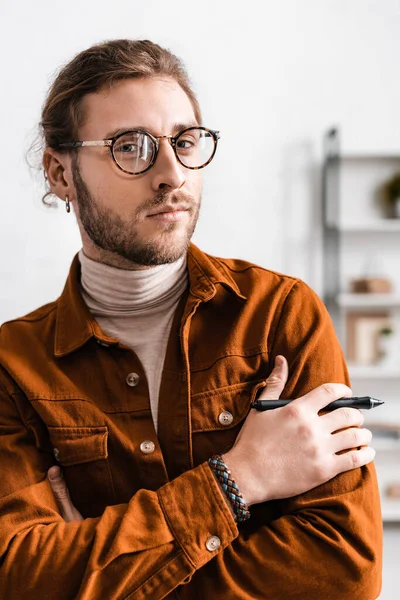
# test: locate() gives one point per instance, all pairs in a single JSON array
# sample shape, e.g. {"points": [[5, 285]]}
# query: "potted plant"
{"points": [[392, 195], [386, 346]]}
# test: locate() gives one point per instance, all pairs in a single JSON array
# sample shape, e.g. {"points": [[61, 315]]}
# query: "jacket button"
{"points": [[213, 543], [147, 447], [225, 418], [132, 379], [56, 453]]}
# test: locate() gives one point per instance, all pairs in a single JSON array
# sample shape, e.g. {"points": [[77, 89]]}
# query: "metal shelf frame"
{"points": [[334, 230], [331, 232]]}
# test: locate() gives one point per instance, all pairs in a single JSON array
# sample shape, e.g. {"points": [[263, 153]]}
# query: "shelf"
{"points": [[364, 156], [391, 511], [385, 445], [368, 300], [373, 372], [370, 157], [378, 226]]}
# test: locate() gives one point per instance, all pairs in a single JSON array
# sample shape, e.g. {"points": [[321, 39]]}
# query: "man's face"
{"points": [[122, 213]]}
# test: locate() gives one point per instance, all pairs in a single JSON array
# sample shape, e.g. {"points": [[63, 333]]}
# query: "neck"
{"points": [[108, 289]]}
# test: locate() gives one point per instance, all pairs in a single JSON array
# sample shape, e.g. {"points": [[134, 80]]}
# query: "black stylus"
{"points": [[364, 402]]}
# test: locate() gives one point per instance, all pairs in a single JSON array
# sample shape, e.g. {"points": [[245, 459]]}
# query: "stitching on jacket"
{"points": [[236, 387], [23, 419], [177, 555], [249, 266], [30, 318], [278, 321], [256, 351]]}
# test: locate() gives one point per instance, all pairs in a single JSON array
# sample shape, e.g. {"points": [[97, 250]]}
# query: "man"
{"points": [[133, 389]]}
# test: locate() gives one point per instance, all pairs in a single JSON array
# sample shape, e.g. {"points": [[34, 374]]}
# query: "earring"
{"points": [[67, 204]]}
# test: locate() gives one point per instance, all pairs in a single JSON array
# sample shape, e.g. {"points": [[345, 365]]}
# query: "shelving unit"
{"points": [[368, 300], [373, 372], [355, 232]]}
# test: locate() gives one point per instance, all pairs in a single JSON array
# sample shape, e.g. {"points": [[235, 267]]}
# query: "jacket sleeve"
{"points": [[326, 543], [140, 550]]}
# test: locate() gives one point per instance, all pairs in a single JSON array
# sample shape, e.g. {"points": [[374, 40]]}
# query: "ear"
{"points": [[57, 167]]}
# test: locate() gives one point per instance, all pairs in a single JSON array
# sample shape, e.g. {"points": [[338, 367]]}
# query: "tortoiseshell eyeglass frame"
{"points": [[110, 143]]}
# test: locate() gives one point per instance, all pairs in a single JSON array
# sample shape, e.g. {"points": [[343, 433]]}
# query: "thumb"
{"points": [[60, 490], [57, 483], [276, 382]]}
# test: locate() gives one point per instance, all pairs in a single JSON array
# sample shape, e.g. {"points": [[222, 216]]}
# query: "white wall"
{"points": [[284, 70]]}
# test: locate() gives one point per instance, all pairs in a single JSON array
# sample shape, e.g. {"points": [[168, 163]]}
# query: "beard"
{"points": [[110, 232]]}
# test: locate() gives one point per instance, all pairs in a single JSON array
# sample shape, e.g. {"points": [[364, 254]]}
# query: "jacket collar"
{"points": [[75, 324]]}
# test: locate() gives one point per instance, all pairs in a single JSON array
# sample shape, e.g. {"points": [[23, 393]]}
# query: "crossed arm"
{"points": [[297, 523], [324, 543]]}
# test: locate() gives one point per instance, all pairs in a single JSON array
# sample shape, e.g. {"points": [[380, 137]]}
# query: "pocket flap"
{"points": [[75, 445], [208, 407]]}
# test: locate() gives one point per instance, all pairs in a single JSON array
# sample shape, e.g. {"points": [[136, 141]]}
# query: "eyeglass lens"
{"points": [[134, 150]]}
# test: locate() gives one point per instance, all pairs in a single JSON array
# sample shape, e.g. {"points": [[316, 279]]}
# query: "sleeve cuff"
{"points": [[198, 515]]}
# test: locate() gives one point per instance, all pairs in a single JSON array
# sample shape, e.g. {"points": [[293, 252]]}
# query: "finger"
{"points": [[354, 459], [60, 490], [343, 417], [351, 438], [324, 394], [276, 382]]}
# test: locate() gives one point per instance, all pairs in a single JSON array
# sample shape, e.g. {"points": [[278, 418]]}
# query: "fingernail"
{"points": [[55, 474], [278, 361]]}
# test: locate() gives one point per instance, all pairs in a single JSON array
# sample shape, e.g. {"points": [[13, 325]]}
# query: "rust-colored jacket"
{"points": [[65, 395]]}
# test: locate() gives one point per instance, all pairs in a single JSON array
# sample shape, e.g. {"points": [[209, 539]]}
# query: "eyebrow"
{"points": [[176, 128]]}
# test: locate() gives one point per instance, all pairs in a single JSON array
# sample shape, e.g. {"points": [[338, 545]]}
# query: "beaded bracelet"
{"points": [[230, 488]]}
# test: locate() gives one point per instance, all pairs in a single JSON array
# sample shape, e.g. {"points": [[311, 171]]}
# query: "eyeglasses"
{"points": [[136, 151]]}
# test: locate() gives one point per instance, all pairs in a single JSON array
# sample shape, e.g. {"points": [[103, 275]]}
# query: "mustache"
{"points": [[162, 198]]}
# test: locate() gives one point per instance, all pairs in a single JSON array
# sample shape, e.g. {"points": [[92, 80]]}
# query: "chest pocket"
{"points": [[218, 415], [82, 453]]}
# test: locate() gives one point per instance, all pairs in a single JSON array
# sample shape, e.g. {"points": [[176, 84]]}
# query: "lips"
{"points": [[169, 209]]}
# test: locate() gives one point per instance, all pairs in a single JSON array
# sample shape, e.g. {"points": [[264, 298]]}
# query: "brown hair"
{"points": [[98, 66]]}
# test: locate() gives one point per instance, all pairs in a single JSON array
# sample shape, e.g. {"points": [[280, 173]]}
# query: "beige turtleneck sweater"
{"points": [[136, 308]]}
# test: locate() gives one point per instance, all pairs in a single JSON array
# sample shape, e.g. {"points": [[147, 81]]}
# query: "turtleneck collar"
{"points": [[110, 291]]}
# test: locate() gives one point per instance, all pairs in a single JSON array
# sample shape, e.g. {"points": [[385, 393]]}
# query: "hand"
{"points": [[287, 451], [58, 485]]}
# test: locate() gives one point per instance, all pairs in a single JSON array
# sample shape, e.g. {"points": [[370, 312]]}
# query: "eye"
{"points": [[132, 144], [127, 148], [187, 143]]}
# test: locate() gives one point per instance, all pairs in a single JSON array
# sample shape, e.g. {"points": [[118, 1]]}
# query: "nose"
{"points": [[167, 171]]}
